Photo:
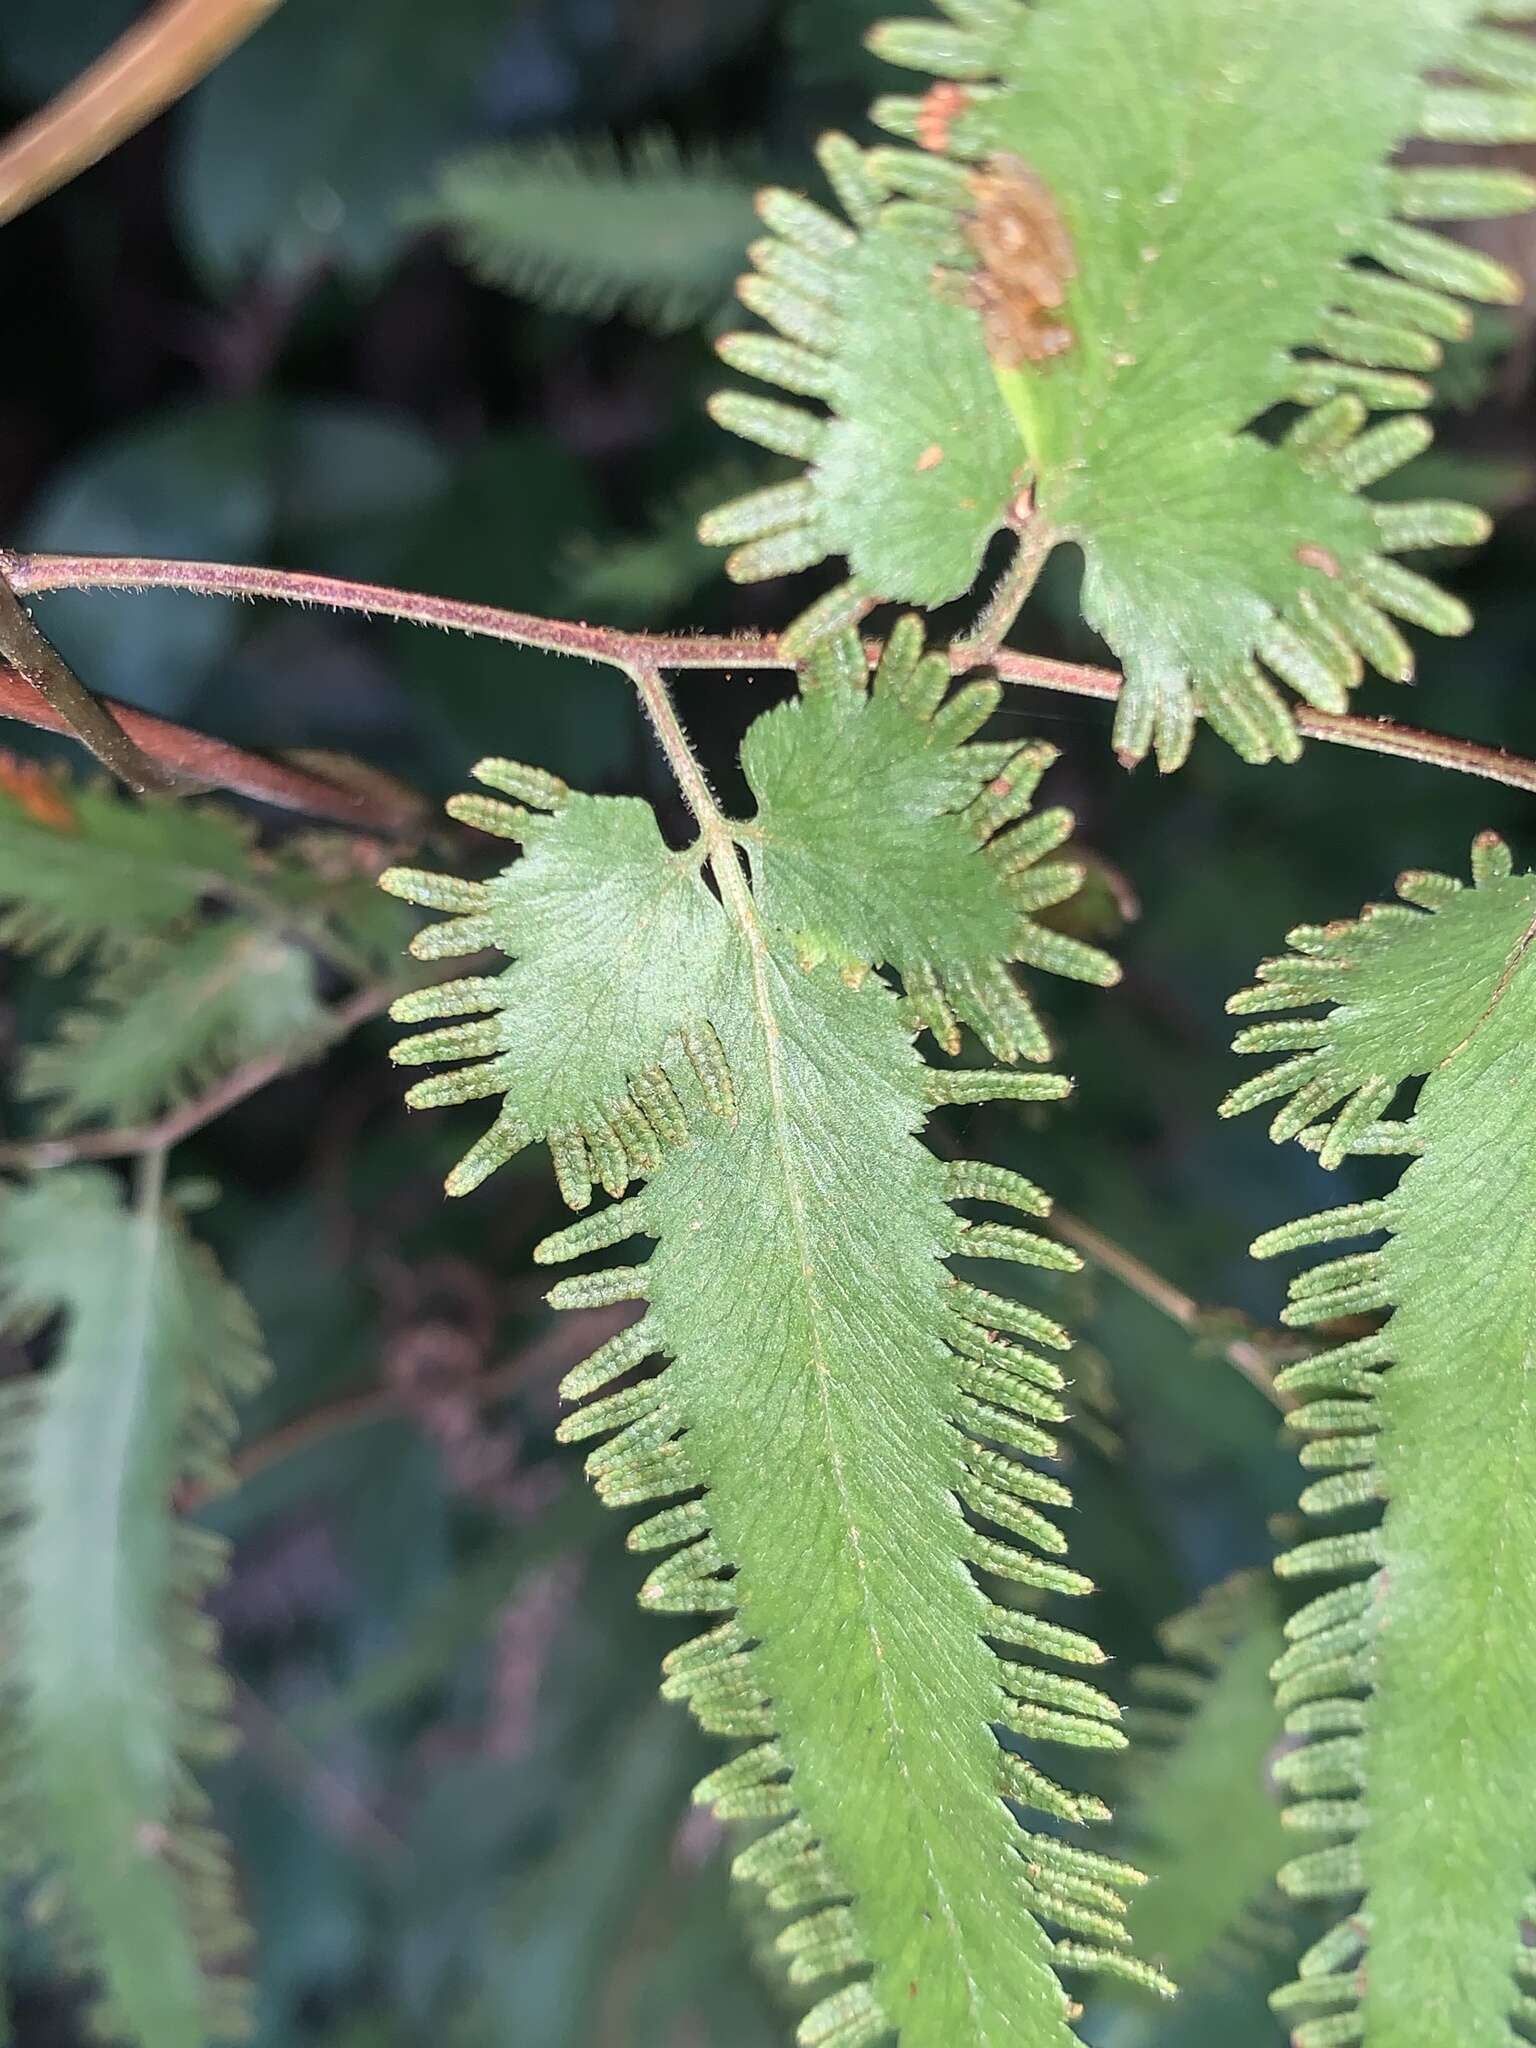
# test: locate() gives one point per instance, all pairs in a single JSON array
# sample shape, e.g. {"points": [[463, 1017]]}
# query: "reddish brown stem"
{"points": [[215, 764], [38, 663], [1256, 1365], [576, 1333], [648, 652], [33, 574]]}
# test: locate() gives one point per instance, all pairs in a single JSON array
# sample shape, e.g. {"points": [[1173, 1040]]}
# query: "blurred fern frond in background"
{"points": [[592, 228]]}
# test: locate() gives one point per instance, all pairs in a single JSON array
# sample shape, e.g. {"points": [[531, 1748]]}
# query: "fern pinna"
{"points": [[1130, 234], [1198, 1811], [589, 231], [1410, 1683], [200, 948], [111, 1687], [832, 1392]]}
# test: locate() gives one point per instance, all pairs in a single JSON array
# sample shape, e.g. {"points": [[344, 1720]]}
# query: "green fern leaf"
{"points": [[1199, 1814], [915, 469], [618, 952], [584, 229], [1415, 1768], [80, 867], [830, 1383], [871, 813], [110, 1689], [1157, 217], [167, 1020]]}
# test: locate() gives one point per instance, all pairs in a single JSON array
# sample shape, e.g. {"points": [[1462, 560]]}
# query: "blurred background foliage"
{"points": [[426, 295]]}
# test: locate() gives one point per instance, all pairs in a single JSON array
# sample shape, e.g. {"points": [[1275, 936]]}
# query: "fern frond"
{"points": [[585, 228], [1129, 236], [166, 1020], [1410, 1683], [110, 1688], [573, 1034], [80, 867], [832, 1393], [1200, 1816]]}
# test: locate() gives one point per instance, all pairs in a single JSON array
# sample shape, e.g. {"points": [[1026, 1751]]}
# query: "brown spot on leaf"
{"points": [[1026, 263], [1311, 556], [33, 790], [940, 105], [930, 458]]}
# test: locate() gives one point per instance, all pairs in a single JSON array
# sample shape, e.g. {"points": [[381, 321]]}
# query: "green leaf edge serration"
{"points": [[112, 1690], [833, 1392], [1409, 1686], [1218, 565], [169, 1018]]}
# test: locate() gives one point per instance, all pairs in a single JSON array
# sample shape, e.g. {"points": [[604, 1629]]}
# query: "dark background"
{"points": [[461, 1814]]}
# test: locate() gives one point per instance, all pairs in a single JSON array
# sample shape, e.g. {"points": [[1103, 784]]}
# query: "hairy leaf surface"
{"points": [[1412, 1682], [110, 1687], [832, 1392], [871, 813], [618, 950], [1159, 224]]}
